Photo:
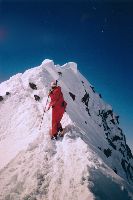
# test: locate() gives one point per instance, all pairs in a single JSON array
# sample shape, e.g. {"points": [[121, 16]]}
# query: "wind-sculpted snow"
{"points": [[92, 161]]}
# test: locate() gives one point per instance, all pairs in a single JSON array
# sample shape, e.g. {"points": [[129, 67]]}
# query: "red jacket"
{"points": [[57, 100]]}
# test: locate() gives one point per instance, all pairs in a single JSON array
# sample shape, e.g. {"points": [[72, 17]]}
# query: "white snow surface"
{"points": [[91, 162]]}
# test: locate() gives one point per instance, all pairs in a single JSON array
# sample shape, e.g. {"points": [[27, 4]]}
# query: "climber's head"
{"points": [[53, 84]]}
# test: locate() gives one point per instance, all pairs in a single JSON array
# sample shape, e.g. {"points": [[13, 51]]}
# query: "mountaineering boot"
{"points": [[54, 137], [61, 132]]}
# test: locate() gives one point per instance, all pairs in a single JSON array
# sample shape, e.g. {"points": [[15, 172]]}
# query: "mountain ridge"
{"points": [[90, 124]]}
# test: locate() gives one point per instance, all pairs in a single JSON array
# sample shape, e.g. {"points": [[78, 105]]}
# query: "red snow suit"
{"points": [[58, 108]]}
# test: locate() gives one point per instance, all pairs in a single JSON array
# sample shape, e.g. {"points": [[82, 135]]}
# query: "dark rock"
{"points": [[107, 133], [100, 148], [124, 138], [123, 146], [7, 93], [120, 131], [105, 126], [129, 153], [37, 98], [33, 86], [85, 122], [123, 164], [110, 112], [60, 73], [122, 152], [113, 121], [115, 170], [100, 95], [92, 89], [111, 143], [1, 98], [107, 152], [85, 99], [105, 115], [129, 171], [117, 119], [84, 86], [115, 138], [87, 109], [72, 96]]}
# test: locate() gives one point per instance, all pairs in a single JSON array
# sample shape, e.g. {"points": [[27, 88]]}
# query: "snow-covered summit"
{"points": [[92, 161]]}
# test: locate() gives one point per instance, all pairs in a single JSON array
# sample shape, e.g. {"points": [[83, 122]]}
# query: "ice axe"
{"points": [[43, 113]]}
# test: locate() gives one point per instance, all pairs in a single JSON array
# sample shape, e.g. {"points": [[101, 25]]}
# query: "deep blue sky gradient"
{"points": [[98, 35]]}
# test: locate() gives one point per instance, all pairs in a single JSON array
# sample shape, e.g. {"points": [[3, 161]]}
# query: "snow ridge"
{"points": [[93, 150]]}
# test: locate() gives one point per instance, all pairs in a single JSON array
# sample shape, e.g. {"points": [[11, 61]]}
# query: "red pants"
{"points": [[57, 114]]}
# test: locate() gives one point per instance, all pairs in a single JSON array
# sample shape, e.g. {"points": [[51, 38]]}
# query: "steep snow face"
{"points": [[93, 150]]}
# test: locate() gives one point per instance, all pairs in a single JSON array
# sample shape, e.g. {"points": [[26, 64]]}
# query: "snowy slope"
{"points": [[92, 161]]}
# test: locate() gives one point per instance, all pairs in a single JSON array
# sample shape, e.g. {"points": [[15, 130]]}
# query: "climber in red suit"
{"points": [[58, 108]]}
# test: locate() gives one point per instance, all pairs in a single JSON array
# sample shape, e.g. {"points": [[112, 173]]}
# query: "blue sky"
{"points": [[98, 35]]}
